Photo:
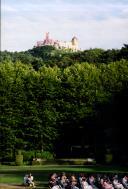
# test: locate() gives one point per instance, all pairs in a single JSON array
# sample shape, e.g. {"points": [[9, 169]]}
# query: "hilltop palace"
{"points": [[73, 44]]}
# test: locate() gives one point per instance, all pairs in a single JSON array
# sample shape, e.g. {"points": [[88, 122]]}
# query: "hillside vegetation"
{"points": [[53, 100]]}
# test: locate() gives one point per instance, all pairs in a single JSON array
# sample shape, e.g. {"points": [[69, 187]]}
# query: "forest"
{"points": [[64, 104]]}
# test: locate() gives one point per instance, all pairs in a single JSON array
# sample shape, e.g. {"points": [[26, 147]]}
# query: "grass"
{"points": [[15, 174]]}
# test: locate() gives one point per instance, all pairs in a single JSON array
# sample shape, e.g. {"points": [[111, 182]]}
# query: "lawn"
{"points": [[15, 174]]}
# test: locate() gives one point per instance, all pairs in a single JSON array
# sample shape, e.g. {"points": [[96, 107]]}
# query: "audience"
{"points": [[82, 181]]}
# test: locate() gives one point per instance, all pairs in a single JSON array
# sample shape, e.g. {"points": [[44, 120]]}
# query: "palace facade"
{"points": [[73, 44]]}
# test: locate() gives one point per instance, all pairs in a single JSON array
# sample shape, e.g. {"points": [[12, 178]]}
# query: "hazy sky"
{"points": [[96, 23]]}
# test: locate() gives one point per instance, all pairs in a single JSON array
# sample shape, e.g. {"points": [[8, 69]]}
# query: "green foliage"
{"points": [[50, 56], [46, 94], [45, 155], [28, 155], [44, 52], [7, 143]]}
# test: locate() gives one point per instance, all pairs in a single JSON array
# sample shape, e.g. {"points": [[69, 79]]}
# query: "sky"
{"points": [[96, 23]]}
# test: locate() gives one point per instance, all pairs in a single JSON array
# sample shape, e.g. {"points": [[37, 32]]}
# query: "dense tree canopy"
{"points": [[52, 100]]}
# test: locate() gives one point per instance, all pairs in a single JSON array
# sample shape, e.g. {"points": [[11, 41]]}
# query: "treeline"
{"points": [[46, 108], [49, 56]]}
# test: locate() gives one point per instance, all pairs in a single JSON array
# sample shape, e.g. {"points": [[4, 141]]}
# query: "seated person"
{"points": [[73, 182], [53, 180], [63, 181], [84, 184], [106, 184], [91, 181], [125, 182], [116, 183], [28, 180]]}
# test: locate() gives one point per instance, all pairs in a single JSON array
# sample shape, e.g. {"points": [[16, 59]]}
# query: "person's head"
{"points": [[92, 177], [81, 174], [73, 178], [83, 178], [116, 177], [53, 176]]}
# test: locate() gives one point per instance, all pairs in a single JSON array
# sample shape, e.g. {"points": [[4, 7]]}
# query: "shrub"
{"points": [[47, 155], [28, 155]]}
